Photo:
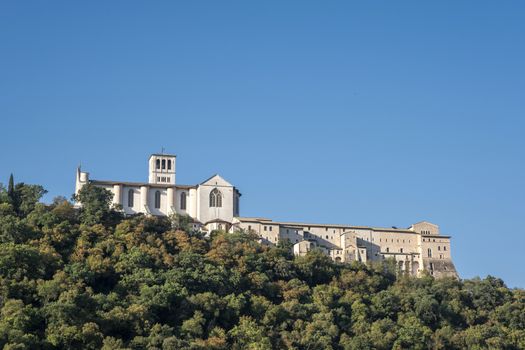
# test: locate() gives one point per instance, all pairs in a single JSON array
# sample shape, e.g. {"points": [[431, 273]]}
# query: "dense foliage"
{"points": [[92, 279]]}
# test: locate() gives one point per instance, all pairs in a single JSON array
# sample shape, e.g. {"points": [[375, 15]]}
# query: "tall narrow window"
{"points": [[164, 164], [429, 252], [130, 198], [215, 198], [183, 201], [157, 163], [169, 164], [157, 199]]}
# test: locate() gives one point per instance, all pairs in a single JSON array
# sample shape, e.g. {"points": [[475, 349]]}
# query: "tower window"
{"points": [[183, 201], [445, 248], [164, 164], [157, 199], [215, 199], [157, 162], [130, 198], [169, 164], [429, 252]]}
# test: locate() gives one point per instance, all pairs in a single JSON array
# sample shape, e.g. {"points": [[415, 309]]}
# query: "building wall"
{"points": [[206, 213], [344, 244], [135, 209]]}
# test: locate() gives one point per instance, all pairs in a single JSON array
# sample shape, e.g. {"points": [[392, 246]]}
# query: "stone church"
{"points": [[214, 204]]}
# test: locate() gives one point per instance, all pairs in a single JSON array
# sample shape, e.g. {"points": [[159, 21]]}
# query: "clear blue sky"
{"points": [[368, 113]]}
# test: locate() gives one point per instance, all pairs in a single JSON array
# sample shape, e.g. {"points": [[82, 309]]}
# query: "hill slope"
{"points": [[91, 279]]}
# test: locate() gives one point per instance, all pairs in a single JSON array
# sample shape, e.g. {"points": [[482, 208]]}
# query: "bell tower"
{"points": [[162, 169]]}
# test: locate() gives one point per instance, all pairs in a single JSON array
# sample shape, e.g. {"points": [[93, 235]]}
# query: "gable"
{"points": [[216, 180]]}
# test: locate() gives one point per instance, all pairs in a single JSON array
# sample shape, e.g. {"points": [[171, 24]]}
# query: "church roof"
{"points": [[162, 155], [138, 184]]}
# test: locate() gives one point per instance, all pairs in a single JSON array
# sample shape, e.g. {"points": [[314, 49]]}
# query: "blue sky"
{"points": [[368, 113]]}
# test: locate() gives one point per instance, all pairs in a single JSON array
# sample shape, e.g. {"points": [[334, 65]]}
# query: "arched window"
{"points": [[157, 163], [429, 252], [215, 198], [183, 201], [130, 198], [157, 199], [169, 164], [164, 164]]}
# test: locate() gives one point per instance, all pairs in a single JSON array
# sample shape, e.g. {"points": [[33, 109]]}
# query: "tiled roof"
{"points": [[138, 184]]}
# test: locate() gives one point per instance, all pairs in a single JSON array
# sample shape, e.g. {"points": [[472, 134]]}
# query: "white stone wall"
{"points": [[163, 210], [206, 213], [161, 174], [135, 209]]}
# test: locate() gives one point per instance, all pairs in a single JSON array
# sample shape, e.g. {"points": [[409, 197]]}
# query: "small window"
{"points": [[265, 228], [445, 248], [130, 198], [429, 252], [168, 179], [215, 198], [169, 164], [326, 229], [158, 163], [183, 201], [164, 164], [270, 228], [439, 248], [157, 199], [401, 250], [388, 250], [326, 236]]}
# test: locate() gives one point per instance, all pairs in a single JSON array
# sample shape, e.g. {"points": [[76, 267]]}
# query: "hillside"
{"points": [[93, 279]]}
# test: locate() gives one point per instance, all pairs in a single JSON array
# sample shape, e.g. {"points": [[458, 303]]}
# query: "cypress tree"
{"points": [[11, 189]]}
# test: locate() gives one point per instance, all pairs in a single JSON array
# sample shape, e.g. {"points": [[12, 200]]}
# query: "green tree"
{"points": [[11, 189], [95, 202], [249, 335]]}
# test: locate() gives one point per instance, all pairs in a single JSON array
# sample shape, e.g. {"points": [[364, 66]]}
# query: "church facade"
{"points": [[214, 204]]}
